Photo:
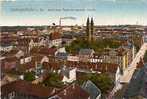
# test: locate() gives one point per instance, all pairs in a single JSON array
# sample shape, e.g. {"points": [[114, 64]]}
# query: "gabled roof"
{"points": [[55, 35], [91, 88], [65, 71], [67, 36], [43, 50], [10, 59], [28, 65], [11, 53], [72, 91], [61, 55], [51, 65], [86, 51], [47, 51]]}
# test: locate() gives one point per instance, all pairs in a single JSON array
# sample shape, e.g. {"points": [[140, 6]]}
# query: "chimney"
{"points": [[54, 91], [36, 64], [65, 92], [73, 86]]}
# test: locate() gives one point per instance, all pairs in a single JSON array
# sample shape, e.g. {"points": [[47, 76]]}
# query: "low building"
{"points": [[85, 54], [55, 39], [72, 91], [72, 58], [25, 90], [61, 56], [69, 74], [118, 56], [9, 63], [67, 39]]}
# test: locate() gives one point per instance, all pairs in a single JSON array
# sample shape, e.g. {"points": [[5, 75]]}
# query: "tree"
{"points": [[53, 80], [29, 76], [102, 81], [54, 47], [98, 45]]}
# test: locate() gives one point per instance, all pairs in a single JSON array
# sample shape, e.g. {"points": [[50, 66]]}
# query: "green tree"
{"points": [[102, 81], [97, 45], [53, 80], [29, 76]]}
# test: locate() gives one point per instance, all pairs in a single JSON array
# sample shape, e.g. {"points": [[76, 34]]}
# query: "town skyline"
{"points": [[93, 62]]}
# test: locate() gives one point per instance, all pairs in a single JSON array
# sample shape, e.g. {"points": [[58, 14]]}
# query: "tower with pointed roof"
{"points": [[90, 29]]}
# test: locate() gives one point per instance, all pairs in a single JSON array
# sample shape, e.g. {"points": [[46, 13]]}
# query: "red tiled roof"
{"points": [[48, 51], [8, 63], [27, 66], [37, 57], [73, 91], [121, 51], [55, 35], [51, 65], [10, 59], [101, 67], [44, 50], [26, 88]]}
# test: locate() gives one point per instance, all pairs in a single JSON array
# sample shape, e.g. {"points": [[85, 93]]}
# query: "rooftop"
{"points": [[26, 88], [73, 91]]}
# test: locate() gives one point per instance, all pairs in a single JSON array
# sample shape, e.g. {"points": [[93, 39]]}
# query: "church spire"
{"points": [[87, 27], [90, 29]]}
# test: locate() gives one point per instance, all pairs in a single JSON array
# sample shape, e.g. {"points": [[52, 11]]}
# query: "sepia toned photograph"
{"points": [[73, 49]]}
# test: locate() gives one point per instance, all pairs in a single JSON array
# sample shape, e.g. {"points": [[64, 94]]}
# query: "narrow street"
{"points": [[130, 70]]}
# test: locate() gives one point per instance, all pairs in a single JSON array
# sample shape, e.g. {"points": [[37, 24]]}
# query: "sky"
{"points": [[46, 12]]}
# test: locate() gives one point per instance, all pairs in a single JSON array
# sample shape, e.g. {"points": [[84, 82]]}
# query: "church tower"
{"points": [[90, 29]]}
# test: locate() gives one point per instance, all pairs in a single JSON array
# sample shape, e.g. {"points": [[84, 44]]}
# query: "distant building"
{"points": [[118, 56], [67, 39], [55, 39], [69, 74], [61, 56], [72, 91], [72, 58], [85, 54]]}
